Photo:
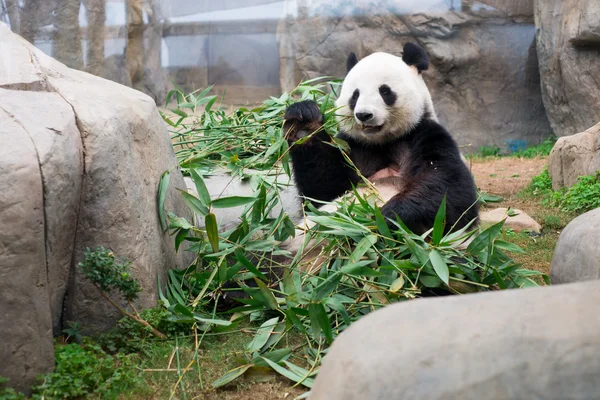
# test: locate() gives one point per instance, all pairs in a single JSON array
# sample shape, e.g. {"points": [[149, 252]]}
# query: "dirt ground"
{"points": [[505, 176]]}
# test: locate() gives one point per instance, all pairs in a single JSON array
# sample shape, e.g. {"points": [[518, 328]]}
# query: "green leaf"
{"points": [[440, 223], [485, 238], [362, 247], [232, 201], [267, 294], [241, 257], [287, 373], [291, 315], [501, 244], [212, 231], [439, 265], [180, 238], [231, 376], [220, 322], [262, 335], [163, 185], [327, 287], [320, 321], [203, 193], [360, 269], [417, 250], [194, 203], [275, 356], [397, 285]]}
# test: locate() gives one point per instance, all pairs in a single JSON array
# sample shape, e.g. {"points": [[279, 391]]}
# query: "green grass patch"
{"points": [[583, 196], [541, 150]]}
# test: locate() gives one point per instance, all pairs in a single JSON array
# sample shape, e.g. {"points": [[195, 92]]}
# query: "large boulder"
{"points": [[537, 343], [80, 161], [483, 76], [574, 156], [577, 254], [567, 41]]}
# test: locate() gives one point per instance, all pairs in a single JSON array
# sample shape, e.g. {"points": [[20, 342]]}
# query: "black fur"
{"points": [[321, 171], [388, 95], [353, 99], [415, 55], [351, 62], [427, 157]]}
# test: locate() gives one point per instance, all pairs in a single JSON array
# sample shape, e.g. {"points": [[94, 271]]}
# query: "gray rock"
{"points": [[574, 156], [221, 184], [484, 74], [26, 346], [518, 222], [81, 158], [577, 255], [537, 343], [567, 42]]}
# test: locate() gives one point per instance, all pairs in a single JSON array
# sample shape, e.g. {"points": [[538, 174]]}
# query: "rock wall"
{"points": [[80, 161], [568, 43], [483, 78]]}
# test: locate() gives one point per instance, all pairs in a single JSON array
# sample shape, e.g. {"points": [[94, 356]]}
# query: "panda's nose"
{"points": [[364, 116]]}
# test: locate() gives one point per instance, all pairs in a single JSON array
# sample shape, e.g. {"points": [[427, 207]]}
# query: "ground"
{"points": [[507, 177]]}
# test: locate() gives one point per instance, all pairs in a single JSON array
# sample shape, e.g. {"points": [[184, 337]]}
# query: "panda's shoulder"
{"points": [[431, 137]]}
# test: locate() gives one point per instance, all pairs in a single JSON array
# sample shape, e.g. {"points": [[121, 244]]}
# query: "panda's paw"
{"points": [[302, 119]]}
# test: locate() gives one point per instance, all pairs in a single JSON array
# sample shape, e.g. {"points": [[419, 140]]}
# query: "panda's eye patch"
{"points": [[388, 96], [353, 99]]}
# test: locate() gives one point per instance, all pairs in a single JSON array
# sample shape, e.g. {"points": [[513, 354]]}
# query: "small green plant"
{"points": [[582, 196], [73, 332], [108, 274], [489, 151], [579, 198], [129, 336], [542, 149], [7, 393], [86, 371]]}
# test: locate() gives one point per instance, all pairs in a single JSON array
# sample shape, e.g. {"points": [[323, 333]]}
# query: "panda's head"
{"points": [[383, 96]]}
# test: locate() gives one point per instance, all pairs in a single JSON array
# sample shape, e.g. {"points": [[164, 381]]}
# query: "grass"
{"points": [[491, 151]]}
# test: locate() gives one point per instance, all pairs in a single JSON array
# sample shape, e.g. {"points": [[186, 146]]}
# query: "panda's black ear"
{"points": [[414, 55], [351, 62]]}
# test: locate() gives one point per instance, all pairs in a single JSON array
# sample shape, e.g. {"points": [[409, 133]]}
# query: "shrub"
{"points": [[107, 274], [7, 393], [86, 371], [542, 149], [583, 196]]}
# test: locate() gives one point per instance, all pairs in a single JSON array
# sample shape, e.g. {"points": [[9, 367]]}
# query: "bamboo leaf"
{"points": [[232, 201], [231, 376], [440, 223], [262, 335], [362, 247], [194, 203], [439, 265], [203, 193], [320, 321], [212, 231], [163, 185]]}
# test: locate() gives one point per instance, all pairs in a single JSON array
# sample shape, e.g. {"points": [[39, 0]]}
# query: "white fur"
{"points": [[413, 98]]}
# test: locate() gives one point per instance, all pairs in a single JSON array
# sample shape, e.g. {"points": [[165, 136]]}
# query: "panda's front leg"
{"points": [[320, 170]]}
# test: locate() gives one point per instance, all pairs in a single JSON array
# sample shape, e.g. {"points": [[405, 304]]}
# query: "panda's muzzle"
{"points": [[370, 129]]}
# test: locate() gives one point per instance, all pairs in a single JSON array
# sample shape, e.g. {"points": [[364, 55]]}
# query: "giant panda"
{"points": [[386, 116]]}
